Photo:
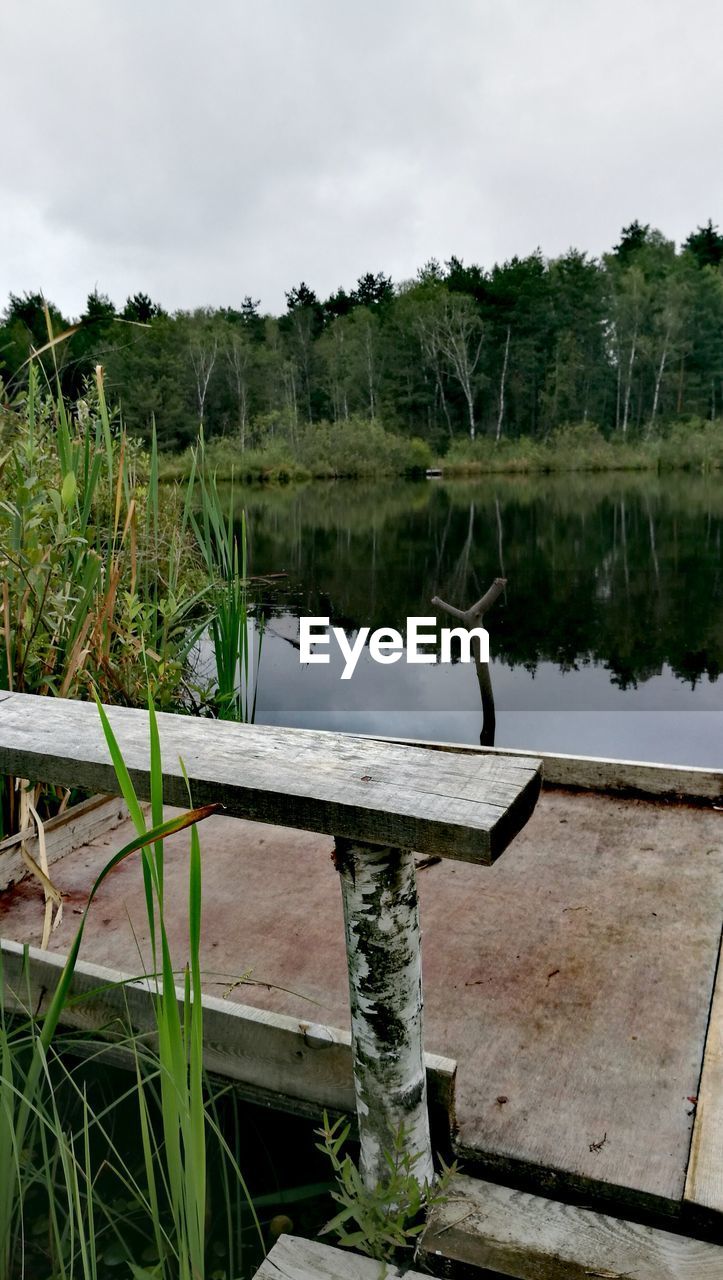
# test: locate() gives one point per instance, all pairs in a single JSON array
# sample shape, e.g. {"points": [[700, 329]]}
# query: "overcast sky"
{"points": [[202, 151]]}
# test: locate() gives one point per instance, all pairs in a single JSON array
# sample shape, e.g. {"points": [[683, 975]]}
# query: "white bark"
{"points": [[289, 375], [427, 335], [303, 340], [503, 379], [238, 355], [451, 329], [619, 385], [443, 398], [624, 541], [456, 336], [629, 382], [381, 920], [203, 352], [653, 547], [338, 370], [369, 354], [659, 379]]}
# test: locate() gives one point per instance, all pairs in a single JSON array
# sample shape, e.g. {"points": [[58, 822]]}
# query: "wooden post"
{"points": [[474, 617], [381, 920]]}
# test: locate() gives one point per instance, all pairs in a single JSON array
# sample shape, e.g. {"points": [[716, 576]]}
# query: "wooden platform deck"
{"points": [[572, 981]]}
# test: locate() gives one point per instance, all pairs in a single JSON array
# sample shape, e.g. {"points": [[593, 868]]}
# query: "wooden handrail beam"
{"points": [[463, 807]]}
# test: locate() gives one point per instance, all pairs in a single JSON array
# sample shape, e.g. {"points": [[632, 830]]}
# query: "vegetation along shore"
{"points": [[534, 364]]}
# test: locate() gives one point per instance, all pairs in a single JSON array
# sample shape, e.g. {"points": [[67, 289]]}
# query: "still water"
{"points": [[607, 641]]}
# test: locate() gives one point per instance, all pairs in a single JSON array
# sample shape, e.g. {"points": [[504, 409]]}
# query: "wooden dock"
{"points": [[575, 983]]}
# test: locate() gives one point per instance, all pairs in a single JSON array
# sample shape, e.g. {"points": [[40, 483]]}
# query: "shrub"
{"points": [[355, 448], [359, 447]]}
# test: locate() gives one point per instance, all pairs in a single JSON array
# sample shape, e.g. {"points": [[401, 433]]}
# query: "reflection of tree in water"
{"points": [[619, 570]]}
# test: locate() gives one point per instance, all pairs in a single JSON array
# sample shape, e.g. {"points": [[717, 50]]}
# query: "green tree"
{"points": [[518, 317], [301, 326], [373, 290], [87, 347], [706, 245], [577, 369], [142, 309], [29, 322], [632, 238]]}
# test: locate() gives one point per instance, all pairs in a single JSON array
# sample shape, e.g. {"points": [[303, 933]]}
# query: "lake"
{"points": [[607, 641]]}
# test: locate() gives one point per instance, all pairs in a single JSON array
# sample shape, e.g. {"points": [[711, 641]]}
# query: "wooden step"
{"points": [[295, 1259], [515, 1234]]}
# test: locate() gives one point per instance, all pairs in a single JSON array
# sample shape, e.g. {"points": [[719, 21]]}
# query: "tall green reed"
{"points": [[175, 1165], [93, 565], [231, 623]]}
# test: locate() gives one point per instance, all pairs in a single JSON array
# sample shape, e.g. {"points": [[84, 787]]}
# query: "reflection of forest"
{"points": [[621, 569]]}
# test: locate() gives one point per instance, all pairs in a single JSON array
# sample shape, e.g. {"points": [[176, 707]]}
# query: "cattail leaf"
{"points": [[69, 491]]}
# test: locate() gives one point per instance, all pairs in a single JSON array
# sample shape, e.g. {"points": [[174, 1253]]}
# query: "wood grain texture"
{"points": [[463, 807], [302, 1066], [63, 835], [516, 1234], [704, 1181], [690, 783], [295, 1259]]}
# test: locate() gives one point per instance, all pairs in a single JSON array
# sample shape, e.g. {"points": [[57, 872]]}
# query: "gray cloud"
{"points": [[202, 152]]}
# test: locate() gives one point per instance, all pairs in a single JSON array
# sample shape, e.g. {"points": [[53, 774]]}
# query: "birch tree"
{"points": [[503, 380], [239, 355], [364, 328], [203, 352], [336, 360], [459, 334], [427, 333], [628, 299]]}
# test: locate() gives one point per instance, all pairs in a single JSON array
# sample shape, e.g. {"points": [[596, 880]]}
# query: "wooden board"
{"points": [[704, 1182], [295, 1259], [690, 783], [63, 835], [463, 807], [295, 1064], [488, 1226], [574, 978]]}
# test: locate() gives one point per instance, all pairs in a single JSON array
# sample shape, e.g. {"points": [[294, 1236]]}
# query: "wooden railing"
{"points": [[381, 801]]}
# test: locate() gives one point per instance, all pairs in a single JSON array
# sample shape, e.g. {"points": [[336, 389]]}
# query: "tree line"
{"points": [[626, 342]]}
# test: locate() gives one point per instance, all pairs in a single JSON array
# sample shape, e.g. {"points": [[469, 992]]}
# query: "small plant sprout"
{"points": [[386, 1220]]}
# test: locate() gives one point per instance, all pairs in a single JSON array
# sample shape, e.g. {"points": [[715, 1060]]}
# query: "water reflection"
{"points": [[614, 604]]}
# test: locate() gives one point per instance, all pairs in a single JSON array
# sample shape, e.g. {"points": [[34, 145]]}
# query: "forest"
{"points": [[629, 343]]}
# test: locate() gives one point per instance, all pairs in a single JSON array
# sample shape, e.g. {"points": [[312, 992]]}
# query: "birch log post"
{"points": [[471, 618], [381, 921]]}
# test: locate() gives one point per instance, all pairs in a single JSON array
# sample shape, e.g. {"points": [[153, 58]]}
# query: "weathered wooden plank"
{"points": [[467, 808], [516, 1234], [63, 835], [690, 783], [704, 1181], [294, 1064], [295, 1259]]}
